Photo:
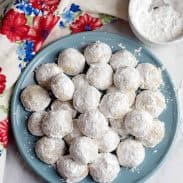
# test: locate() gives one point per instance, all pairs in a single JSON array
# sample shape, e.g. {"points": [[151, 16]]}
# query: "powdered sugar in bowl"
{"points": [[156, 22]]}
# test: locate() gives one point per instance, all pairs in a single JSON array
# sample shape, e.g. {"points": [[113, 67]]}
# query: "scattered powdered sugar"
{"points": [[159, 23], [121, 46], [137, 51]]}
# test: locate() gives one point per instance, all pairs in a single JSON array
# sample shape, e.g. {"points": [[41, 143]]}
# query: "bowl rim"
{"points": [[140, 35], [42, 52]]}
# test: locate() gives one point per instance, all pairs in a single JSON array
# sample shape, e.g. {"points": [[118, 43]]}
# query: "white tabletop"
{"points": [[17, 171]]}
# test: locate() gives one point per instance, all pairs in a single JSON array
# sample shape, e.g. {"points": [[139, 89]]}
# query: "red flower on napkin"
{"points": [[14, 26], [2, 82], [4, 132], [85, 23], [45, 5], [42, 26]]}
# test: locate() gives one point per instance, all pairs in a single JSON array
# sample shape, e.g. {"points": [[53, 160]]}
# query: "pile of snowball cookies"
{"points": [[94, 120]]}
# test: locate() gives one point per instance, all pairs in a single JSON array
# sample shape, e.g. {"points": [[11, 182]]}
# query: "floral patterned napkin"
{"points": [[28, 25]]}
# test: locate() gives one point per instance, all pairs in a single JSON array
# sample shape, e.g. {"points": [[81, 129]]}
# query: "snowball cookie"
{"points": [[83, 150], [75, 133], [155, 136], [49, 150], [105, 168], [114, 105], [123, 58], [57, 124], [150, 101], [118, 126], [34, 123], [138, 123], [45, 72], [100, 75], [71, 61], [150, 76], [80, 81], [71, 170], [127, 79], [62, 87], [131, 94], [109, 141], [35, 98], [92, 123], [86, 99], [130, 153], [59, 105], [97, 52]]}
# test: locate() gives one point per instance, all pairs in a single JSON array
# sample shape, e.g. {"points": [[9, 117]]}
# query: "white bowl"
{"points": [[142, 37]]}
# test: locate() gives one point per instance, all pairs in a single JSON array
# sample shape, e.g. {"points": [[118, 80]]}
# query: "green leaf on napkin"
{"points": [[106, 18], [29, 19]]}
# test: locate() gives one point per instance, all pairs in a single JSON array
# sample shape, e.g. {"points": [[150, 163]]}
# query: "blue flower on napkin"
{"points": [[75, 8]]}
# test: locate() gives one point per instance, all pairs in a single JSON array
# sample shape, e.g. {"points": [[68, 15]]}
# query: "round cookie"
{"points": [[138, 123], [45, 72], [71, 170], [150, 101], [127, 79], [92, 123], [57, 124], [150, 76], [35, 98], [130, 153], [49, 150], [109, 141], [86, 99], [34, 123], [114, 105], [62, 87], [83, 150], [105, 168], [75, 133], [123, 58], [100, 75], [59, 105], [80, 81], [71, 61], [155, 136], [97, 52]]}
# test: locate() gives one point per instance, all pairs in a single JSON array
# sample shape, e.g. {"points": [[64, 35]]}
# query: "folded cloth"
{"points": [[28, 25]]}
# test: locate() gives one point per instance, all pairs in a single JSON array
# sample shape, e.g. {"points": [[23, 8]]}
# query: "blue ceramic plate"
{"points": [[25, 141]]}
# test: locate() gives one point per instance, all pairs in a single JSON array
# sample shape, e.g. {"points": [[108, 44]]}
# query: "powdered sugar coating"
{"points": [[75, 133], [150, 76], [155, 136], [114, 105], [127, 79], [92, 123], [130, 153], [109, 141], [150, 101], [123, 58], [131, 94], [49, 150], [59, 105], [118, 126], [100, 75], [97, 52], [80, 81], [45, 72], [138, 123], [71, 61], [34, 123], [105, 168], [71, 170], [35, 98], [86, 99], [83, 150], [57, 124], [62, 87]]}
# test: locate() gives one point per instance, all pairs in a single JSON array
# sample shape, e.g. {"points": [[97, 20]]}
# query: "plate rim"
{"points": [[44, 50]]}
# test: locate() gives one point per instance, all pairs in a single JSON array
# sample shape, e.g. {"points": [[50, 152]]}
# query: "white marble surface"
{"points": [[17, 171]]}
